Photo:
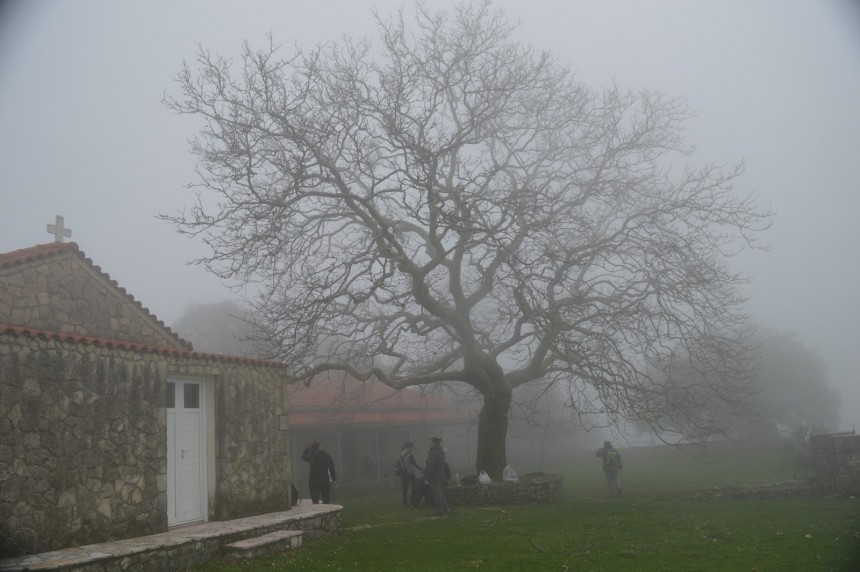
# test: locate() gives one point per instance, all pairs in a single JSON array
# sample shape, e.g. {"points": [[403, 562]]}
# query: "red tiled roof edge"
{"points": [[392, 415], [41, 251], [132, 346], [23, 255]]}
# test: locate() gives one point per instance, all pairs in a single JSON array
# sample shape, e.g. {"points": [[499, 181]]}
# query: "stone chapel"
{"points": [[111, 425]]}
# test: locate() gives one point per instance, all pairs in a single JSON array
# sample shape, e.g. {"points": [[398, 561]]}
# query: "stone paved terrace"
{"points": [[181, 547]]}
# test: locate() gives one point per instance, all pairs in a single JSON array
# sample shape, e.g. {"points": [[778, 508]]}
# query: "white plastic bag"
{"points": [[484, 478], [509, 475]]}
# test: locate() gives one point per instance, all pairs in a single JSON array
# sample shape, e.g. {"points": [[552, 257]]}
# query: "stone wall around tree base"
{"points": [[537, 490]]}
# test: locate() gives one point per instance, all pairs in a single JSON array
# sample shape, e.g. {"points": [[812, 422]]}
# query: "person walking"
{"points": [[436, 475], [409, 472], [321, 468], [611, 467]]}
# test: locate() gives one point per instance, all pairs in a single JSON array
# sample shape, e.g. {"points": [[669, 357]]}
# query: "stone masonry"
{"points": [[83, 439], [837, 461], [56, 288], [534, 490]]}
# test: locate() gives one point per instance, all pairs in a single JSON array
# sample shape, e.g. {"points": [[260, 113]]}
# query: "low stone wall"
{"points": [[760, 491], [320, 523], [837, 462], [182, 548], [533, 490]]}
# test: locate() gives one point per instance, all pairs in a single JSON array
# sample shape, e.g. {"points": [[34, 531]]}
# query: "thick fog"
{"points": [[83, 132]]}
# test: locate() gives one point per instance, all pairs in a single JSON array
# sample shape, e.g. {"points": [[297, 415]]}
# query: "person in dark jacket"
{"points": [[435, 475], [611, 467], [321, 468]]}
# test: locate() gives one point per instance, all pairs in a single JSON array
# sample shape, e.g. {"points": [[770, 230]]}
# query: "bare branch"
{"points": [[452, 205]]}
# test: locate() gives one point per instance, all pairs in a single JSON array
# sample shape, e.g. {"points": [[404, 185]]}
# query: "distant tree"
{"points": [[788, 395], [702, 395], [795, 390], [451, 205], [224, 327]]}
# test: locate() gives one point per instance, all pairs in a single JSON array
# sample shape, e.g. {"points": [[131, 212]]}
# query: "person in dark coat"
{"points": [[436, 475], [321, 468]]}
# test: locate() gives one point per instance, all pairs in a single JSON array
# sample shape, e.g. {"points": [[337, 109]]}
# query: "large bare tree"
{"points": [[451, 205]]}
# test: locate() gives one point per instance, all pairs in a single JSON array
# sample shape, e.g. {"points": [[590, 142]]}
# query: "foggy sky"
{"points": [[83, 133]]}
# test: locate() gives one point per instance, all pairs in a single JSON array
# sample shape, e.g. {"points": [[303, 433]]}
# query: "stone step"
{"points": [[265, 544]]}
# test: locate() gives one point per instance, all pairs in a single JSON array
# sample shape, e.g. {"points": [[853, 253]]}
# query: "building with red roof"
{"points": [[364, 425]]}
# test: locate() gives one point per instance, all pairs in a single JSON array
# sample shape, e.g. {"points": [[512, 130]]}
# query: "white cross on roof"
{"points": [[58, 230]]}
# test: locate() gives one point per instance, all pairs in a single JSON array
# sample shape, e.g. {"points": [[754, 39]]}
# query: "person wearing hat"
{"points": [[436, 475]]}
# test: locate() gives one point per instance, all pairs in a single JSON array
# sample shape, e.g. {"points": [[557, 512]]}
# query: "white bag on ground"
{"points": [[484, 478], [509, 475]]}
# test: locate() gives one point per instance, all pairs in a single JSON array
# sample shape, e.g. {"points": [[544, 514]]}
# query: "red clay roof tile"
{"points": [[35, 252], [132, 346], [335, 402]]}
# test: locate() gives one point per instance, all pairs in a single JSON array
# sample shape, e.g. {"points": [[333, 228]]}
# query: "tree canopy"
{"points": [[786, 392], [221, 327], [795, 388], [451, 205]]}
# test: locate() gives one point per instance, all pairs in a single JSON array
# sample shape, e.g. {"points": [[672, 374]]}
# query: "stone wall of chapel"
{"points": [[83, 442], [64, 294], [252, 457], [82, 455]]}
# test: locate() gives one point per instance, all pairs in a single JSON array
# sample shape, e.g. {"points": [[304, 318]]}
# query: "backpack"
{"points": [[399, 468], [611, 459]]}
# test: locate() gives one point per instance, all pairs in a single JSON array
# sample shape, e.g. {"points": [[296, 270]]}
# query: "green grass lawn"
{"points": [[672, 517]]}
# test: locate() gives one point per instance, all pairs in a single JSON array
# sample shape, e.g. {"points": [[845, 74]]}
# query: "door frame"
{"points": [[204, 452]]}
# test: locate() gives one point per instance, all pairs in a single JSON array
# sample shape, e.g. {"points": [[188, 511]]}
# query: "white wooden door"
{"points": [[186, 466]]}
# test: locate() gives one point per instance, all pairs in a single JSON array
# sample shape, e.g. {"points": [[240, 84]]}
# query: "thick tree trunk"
{"points": [[493, 431]]}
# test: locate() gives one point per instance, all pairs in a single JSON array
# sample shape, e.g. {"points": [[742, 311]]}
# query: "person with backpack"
{"points": [[408, 470], [611, 467]]}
